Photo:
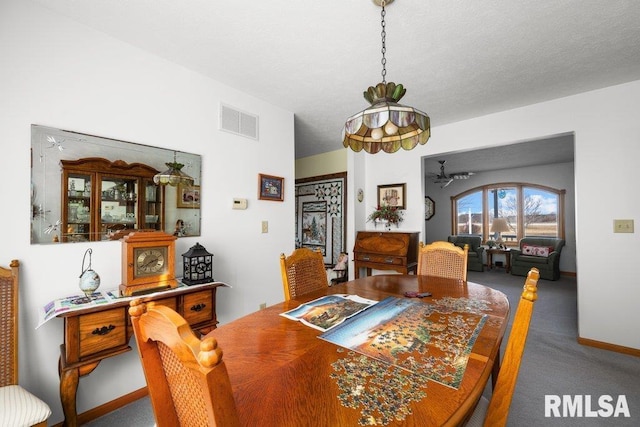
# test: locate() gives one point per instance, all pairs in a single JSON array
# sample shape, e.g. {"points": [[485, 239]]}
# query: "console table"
{"points": [[391, 250], [101, 331]]}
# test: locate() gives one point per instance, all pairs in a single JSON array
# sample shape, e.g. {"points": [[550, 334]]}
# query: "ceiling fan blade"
{"points": [[461, 175], [446, 183]]}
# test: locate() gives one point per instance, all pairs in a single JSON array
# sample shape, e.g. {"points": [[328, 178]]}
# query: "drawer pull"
{"points": [[198, 307], [104, 330], [365, 258], [389, 260]]}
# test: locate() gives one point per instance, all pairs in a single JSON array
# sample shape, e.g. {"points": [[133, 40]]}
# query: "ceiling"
{"points": [[458, 59], [556, 149]]}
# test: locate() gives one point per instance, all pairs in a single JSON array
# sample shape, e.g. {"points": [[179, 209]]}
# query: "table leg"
{"points": [[68, 388]]}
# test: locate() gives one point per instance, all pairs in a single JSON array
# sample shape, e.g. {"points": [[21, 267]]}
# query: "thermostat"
{"points": [[239, 203]]}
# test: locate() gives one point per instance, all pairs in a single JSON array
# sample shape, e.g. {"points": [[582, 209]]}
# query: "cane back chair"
{"points": [[443, 259], [187, 379], [494, 412], [302, 272], [18, 407]]}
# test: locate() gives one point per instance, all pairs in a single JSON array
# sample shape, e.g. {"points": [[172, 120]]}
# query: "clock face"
{"points": [[150, 261]]}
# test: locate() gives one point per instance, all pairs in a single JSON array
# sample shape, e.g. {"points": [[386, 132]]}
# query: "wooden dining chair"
{"points": [[302, 272], [494, 412], [187, 379], [18, 407], [443, 259]]}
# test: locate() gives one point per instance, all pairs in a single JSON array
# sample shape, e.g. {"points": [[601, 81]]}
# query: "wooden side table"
{"points": [[97, 332], [494, 251]]}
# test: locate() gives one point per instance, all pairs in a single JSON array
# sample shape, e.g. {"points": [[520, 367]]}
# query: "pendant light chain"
{"points": [[384, 46]]}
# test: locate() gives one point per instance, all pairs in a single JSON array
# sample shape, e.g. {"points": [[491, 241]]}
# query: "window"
{"points": [[529, 210]]}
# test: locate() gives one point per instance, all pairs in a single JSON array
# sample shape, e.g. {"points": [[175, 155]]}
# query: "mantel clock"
{"points": [[148, 262]]}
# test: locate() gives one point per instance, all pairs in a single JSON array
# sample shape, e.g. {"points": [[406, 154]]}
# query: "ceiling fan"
{"points": [[443, 179]]}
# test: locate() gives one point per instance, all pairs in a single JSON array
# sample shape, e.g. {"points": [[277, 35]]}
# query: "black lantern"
{"points": [[197, 265]]}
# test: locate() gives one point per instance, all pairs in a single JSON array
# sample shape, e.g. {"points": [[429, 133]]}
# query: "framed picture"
{"points": [[270, 188], [392, 195], [429, 208], [188, 196]]}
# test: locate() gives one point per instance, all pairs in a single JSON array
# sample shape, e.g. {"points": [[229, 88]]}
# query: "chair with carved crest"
{"points": [[494, 412], [187, 379], [302, 272], [18, 407], [443, 259]]}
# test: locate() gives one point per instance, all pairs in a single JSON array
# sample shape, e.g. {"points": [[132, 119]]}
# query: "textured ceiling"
{"points": [[457, 58]]}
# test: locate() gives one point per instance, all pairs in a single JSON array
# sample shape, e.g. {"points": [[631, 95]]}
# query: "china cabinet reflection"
{"points": [[102, 199]]}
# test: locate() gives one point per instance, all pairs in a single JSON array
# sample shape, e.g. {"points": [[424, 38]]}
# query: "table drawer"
{"points": [[381, 259], [198, 307], [102, 331], [167, 302]]}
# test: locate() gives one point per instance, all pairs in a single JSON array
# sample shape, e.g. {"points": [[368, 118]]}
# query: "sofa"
{"points": [[474, 258], [540, 252]]}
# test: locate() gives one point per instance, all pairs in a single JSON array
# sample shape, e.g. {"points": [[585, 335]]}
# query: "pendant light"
{"points": [[386, 125], [174, 175]]}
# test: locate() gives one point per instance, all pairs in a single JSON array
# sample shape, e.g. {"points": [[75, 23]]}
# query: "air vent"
{"points": [[238, 122]]}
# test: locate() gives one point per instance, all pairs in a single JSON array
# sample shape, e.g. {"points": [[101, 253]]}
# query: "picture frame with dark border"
{"points": [[270, 188], [392, 195]]}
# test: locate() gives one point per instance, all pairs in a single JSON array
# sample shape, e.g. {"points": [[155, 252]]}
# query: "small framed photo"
{"points": [[270, 188], [188, 196], [392, 195]]}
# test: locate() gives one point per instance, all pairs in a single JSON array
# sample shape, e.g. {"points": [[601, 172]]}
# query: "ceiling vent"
{"points": [[238, 122]]}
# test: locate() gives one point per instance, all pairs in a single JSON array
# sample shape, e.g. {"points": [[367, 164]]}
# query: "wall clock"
{"points": [[148, 262], [429, 208]]}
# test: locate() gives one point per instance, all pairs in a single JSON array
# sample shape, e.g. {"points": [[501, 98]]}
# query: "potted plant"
{"points": [[386, 214]]}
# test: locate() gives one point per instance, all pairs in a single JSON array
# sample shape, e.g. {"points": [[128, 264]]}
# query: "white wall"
{"points": [[58, 73], [322, 164], [607, 149]]}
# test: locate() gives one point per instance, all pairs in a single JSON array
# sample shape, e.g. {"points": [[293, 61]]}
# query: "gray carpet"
{"points": [[553, 363]]}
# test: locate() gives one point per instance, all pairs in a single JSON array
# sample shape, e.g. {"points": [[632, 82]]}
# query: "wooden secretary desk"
{"points": [[391, 250]]}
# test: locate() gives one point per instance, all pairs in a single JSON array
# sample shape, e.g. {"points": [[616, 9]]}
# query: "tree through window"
{"points": [[529, 209]]}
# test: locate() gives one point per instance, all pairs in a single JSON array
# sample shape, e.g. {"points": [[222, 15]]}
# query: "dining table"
{"points": [[283, 373]]}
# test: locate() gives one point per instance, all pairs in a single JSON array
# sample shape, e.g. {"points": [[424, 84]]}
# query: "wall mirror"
{"points": [[90, 188]]}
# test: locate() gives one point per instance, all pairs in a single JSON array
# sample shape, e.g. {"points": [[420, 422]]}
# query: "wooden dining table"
{"points": [[283, 374]]}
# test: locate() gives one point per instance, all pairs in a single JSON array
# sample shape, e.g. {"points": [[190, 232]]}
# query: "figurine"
{"points": [[179, 231]]}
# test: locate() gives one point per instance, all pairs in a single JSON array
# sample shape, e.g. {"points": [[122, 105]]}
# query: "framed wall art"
{"points": [[188, 196], [392, 195], [270, 188], [320, 214]]}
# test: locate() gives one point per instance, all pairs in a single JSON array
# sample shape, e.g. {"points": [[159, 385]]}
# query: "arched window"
{"points": [[527, 210]]}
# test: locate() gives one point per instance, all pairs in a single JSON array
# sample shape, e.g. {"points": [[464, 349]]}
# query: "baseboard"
{"points": [[111, 406], [568, 273], [611, 347]]}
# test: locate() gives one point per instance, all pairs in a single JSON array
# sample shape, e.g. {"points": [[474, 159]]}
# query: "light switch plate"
{"points": [[623, 226]]}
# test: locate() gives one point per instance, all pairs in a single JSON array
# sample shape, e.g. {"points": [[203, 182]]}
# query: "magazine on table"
{"points": [[326, 312]]}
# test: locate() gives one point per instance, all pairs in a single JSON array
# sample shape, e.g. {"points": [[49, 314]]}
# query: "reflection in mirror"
{"points": [[90, 188]]}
